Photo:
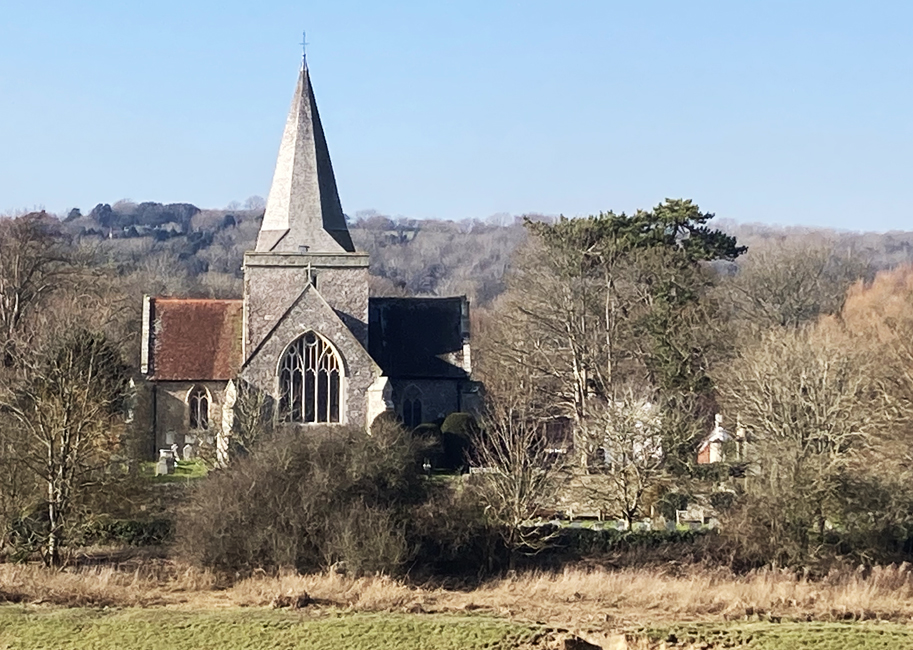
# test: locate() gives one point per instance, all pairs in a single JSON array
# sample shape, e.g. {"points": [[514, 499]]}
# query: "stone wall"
{"points": [[171, 413], [440, 397], [272, 282], [312, 313]]}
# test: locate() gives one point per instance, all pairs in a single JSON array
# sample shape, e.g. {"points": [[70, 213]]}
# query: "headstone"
{"points": [[174, 452], [187, 452], [165, 464]]}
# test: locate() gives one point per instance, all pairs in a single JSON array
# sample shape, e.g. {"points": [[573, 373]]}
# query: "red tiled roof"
{"points": [[195, 340]]}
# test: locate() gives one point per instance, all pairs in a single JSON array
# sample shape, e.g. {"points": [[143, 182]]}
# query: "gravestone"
{"points": [[165, 464], [187, 452]]}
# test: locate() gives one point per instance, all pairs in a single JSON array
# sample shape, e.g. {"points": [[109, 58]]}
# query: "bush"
{"points": [[583, 543], [330, 496], [669, 503], [130, 532], [869, 522], [429, 441], [452, 536], [456, 433]]}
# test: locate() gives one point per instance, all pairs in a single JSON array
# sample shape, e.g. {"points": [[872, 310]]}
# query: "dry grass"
{"points": [[575, 597], [154, 583], [649, 595], [639, 596]]}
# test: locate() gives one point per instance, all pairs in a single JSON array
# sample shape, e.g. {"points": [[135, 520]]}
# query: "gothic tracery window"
{"points": [[412, 407], [309, 381], [198, 402]]}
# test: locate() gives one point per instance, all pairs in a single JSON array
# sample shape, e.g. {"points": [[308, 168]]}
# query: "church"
{"points": [[306, 334]]}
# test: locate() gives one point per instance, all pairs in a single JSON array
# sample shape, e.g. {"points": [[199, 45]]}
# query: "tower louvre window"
{"points": [[309, 381]]}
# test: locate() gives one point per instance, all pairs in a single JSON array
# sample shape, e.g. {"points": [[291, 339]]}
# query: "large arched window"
{"points": [[412, 407], [309, 381], [198, 403]]}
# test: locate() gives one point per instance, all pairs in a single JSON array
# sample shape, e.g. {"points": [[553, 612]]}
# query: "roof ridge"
{"points": [[174, 299]]}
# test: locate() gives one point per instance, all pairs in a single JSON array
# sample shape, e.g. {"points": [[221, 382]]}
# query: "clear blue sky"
{"points": [[785, 112]]}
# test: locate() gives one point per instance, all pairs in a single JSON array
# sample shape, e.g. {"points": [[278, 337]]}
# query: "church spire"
{"points": [[303, 212]]}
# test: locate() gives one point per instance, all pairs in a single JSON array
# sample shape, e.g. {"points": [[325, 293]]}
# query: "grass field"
{"points": [[30, 628], [149, 602], [34, 628], [784, 636]]}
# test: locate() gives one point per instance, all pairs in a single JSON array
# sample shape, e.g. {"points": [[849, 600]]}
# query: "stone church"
{"points": [[306, 333]]}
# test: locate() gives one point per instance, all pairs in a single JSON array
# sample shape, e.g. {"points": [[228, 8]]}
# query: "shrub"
{"points": [[333, 496], [452, 536], [456, 433], [669, 503], [130, 532], [429, 442]]}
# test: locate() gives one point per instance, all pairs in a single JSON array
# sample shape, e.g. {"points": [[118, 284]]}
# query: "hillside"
{"points": [[193, 251]]}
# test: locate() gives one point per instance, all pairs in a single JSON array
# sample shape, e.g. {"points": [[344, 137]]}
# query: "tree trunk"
{"points": [[52, 554]]}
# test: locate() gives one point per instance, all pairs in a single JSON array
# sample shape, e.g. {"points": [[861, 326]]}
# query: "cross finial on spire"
{"points": [[304, 52]]}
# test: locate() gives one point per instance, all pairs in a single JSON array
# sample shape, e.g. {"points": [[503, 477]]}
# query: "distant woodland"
{"points": [[181, 249]]}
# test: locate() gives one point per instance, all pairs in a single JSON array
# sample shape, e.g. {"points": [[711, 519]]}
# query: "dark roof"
{"points": [[195, 340], [419, 337]]}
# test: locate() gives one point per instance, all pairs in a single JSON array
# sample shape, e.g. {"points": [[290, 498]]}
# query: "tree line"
{"points": [[629, 331], [637, 330]]}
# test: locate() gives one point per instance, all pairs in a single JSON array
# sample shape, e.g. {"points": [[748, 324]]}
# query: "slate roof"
{"points": [[195, 340], [418, 337]]}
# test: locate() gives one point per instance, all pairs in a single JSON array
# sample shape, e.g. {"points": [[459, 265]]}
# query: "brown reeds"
{"points": [[573, 596]]}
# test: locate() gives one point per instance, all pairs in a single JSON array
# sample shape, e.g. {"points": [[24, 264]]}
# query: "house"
{"points": [[712, 448], [305, 334]]}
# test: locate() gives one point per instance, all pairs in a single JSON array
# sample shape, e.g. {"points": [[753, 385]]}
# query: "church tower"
{"points": [[305, 286]]}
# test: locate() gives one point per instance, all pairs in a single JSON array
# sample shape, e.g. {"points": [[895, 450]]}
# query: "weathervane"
{"points": [[304, 53]]}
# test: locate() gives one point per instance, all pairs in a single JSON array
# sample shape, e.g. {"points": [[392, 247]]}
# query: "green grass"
{"points": [[787, 636], [27, 628], [184, 470], [31, 628]]}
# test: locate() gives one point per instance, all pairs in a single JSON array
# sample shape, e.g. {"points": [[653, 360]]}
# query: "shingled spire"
{"points": [[303, 212]]}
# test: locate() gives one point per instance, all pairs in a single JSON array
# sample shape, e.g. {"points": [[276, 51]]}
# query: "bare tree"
{"points": [[253, 418], [812, 408], [878, 318], [32, 265], [790, 284], [65, 401], [519, 473], [626, 438]]}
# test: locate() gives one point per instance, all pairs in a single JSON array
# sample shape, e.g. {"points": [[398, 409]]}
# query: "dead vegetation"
{"points": [[575, 597]]}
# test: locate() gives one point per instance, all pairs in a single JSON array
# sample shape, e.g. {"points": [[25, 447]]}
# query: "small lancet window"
{"points": [[412, 407], [198, 401], [309, 381]]}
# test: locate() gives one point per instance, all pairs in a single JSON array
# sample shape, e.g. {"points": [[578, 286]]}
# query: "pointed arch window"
{"points": [[309, 381], [412, 407], [198, 403]]}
